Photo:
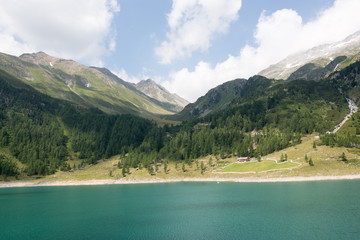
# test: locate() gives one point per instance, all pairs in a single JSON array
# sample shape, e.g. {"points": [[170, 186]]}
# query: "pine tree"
{"points": [[165, 167], [202, 168], [343, 157], [123, 172], [306, 158], [311, 163], [150, 169]]}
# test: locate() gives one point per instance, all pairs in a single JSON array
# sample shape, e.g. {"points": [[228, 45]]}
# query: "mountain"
{"points": [[334, 56], [82, 85], [347, 81], [215, 99], [312, 71], [254, 117], [40, 134], [152, 89], [43, 133], [223, 96]]}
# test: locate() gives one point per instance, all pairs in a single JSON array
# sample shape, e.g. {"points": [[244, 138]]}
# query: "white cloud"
{"points": [[135, 79], [125, 76], [193, 24], [277, 35], [80, 30]]}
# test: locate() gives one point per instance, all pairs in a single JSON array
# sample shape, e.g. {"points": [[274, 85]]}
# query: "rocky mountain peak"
{"points": [[39, 58], [158, 92]]}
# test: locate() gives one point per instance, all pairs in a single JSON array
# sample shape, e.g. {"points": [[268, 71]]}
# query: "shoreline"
{"points": [[14, 184]]}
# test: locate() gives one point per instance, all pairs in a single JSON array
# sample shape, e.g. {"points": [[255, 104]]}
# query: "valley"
{"points": [[197, 119], [66, 123]]}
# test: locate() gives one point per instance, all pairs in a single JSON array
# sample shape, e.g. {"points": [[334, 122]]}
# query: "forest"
{"points": [[256, 128], [44, 133]]}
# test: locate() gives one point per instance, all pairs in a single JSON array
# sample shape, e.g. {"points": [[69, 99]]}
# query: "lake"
{"points": [[302, 210]]}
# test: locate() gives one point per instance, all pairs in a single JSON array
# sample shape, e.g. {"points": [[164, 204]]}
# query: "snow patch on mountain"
{"points": [[321, 55]]}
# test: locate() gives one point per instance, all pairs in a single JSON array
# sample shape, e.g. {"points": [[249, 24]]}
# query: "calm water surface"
{"points": [[307, 210]]}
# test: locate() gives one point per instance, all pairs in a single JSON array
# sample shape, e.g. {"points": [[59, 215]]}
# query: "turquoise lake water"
{"points": [[305, 210]]}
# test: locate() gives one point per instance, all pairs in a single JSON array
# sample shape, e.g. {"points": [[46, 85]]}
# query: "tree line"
{"points": [[43, 133]]}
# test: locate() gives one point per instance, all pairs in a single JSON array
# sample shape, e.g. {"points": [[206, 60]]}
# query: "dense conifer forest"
{"points": [[44, 133]]}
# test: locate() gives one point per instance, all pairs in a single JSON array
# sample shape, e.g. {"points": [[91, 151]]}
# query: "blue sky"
{"points": [[188, 46], [142, 25]]}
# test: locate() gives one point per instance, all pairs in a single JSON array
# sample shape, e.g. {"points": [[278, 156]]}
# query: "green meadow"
{"points": [[267, 165]]}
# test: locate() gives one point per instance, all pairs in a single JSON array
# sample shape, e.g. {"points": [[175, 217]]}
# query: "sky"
{"points": [[188, 46]]}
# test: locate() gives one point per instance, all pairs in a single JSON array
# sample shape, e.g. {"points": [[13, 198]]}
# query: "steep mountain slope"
{"points": [[43, 133], [246, 118], [348, 81], [220, 97], [316, 59], [85, 86], [174, 102], [261, 116], [312, 71]]}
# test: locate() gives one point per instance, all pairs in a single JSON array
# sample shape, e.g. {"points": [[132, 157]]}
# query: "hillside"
{"points": [[216, 99], [152, 89], [82, 85], [327, 166], [316, 62], [312, 71], [40, 135], [266, 116], [277, 119]]}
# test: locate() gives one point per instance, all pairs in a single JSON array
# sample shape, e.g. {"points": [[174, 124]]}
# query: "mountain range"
{"points": [[100, 88], [314, 64], [90, 86], [54, 112]]}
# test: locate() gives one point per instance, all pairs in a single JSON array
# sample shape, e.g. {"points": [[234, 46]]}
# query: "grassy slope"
{"points": [[326, 160], [348, 61], [262, 166], [66, 81]]}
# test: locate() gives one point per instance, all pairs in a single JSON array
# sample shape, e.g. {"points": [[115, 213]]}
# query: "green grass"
{"points": [[266, 165], [222, 163], [326, 160], [104, 93], [348, 61]]}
